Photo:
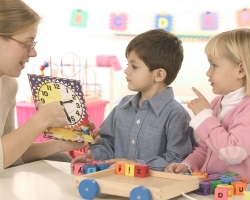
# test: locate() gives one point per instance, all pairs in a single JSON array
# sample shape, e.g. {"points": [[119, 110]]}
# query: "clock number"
{"points": [[44, 93], [78, 113], [48, 87], [73, 96], [42, 100], [67, 90], [72, 119], [78, 105], [57, 86]]}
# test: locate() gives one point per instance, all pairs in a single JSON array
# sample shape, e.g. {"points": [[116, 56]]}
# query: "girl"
{"points": [[223, 127]]}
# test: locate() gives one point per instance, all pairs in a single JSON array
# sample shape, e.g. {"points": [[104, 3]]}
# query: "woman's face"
{"points": [[14, 54]]}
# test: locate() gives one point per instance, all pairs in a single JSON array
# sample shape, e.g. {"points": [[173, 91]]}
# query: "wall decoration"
{"points": [[164, 22], [193, 37], [243, 18], [118, 21], [209, 21], [79, 18]]}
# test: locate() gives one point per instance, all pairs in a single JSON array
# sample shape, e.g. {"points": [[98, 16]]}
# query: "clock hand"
{"points": [[63, 102], [67, 115]]}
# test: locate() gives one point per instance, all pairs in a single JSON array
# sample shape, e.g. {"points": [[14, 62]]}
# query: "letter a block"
{"points": [[220, 193], [78, 168], [120, 168], [129, 169], [142, 170]]}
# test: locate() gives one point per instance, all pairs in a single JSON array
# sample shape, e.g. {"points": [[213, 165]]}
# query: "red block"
{"points": [[142, 170]]}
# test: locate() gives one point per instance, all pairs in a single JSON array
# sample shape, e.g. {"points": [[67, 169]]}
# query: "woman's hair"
{"points": [[16, 17], [233, 45], [158, 49]]}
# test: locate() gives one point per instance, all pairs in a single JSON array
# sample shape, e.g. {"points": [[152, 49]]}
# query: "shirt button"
{"points": [[138, 121], [133, 142]]}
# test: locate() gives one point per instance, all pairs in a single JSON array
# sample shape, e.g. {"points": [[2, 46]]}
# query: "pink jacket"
{"points": [[224, 146]]}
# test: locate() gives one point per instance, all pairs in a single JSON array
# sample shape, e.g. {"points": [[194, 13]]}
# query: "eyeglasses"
{"points": [[29, 47]]}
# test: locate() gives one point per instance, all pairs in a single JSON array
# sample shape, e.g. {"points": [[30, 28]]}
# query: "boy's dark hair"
{"points": [[158, 49]]}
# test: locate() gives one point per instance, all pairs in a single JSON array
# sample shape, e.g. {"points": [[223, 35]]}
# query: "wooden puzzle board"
{"points": [[161, 185]]}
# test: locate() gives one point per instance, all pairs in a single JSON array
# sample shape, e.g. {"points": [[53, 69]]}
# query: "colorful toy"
{"points": [[157, 185], [69, 93]]}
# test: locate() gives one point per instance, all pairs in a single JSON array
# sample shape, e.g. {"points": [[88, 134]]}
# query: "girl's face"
{"points": [[225, 76], [14, 55]]}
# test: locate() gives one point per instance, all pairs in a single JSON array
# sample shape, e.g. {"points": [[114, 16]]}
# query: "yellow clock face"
{"points": [[49, 92]]}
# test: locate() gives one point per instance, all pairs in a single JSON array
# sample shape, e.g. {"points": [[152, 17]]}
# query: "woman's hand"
{"points": [[198, 104], [51, 114]]}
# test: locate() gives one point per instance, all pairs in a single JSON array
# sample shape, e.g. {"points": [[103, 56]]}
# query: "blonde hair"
{"points": [[16, 17], [233, 45]]}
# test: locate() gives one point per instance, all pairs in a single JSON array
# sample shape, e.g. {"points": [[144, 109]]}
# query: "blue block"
{"points": [[101, 167], [89, 169]]}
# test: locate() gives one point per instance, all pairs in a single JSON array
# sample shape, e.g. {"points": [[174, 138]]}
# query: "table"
{"points": [[51, 180]]}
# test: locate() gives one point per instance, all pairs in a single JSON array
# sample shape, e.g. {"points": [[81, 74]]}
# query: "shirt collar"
{"points": [[234, 96], [157, 102]]}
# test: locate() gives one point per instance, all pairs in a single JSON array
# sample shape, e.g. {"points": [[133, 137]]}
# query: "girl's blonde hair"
{"points": [[233, 45], [16, 17]]}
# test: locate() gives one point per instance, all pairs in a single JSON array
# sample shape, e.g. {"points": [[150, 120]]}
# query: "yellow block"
{"points": [[246, 195], [129, 169]]}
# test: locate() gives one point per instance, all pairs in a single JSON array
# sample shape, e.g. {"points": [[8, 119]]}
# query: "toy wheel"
{"points": [[88, 189], [140, 193]]}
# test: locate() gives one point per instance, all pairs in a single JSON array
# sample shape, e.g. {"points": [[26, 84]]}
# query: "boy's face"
{"points": [[138, 76]]}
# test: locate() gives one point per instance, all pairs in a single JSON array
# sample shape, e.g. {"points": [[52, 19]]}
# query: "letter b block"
{"points": [[142, 170]]}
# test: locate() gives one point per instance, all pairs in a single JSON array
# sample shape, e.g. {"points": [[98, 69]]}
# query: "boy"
{"points": [[149, 127]]}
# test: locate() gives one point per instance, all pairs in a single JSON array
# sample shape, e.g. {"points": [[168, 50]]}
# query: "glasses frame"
{"points": [[29, 47]]}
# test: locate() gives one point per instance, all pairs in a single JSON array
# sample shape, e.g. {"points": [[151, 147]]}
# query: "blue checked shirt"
{"points": [[157, 133]]}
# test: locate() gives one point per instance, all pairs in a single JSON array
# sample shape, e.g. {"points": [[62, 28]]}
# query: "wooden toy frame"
{"points": [[161, 185]]}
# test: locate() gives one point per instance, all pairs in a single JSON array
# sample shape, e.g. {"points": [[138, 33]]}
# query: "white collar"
{"points": [[236, 95]]}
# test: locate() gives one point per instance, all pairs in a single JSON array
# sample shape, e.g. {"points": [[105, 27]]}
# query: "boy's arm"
{"points": [[104, 148]]}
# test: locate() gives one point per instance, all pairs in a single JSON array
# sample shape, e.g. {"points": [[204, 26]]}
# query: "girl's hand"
{"points": [[176, 168], [198, 104]]}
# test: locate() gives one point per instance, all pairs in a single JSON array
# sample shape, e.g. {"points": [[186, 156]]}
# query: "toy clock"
{"points": [[69, 93]]}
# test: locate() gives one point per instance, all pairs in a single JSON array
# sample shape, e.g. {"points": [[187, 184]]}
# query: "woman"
{"points": [[18, 30]]}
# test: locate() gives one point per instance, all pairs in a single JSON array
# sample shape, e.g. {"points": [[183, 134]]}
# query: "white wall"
{"points": [[56, 37]]}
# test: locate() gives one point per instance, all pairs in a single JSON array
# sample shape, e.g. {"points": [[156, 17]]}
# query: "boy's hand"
{"points": [[198, 104], [176, 168], [86, 158]]}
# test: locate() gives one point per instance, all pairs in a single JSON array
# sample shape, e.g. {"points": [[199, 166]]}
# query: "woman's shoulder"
{"points": [[8, 85]]}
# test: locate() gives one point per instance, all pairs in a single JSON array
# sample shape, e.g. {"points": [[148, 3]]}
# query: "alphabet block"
{"points": [[229, 187], [214, 184], [220, 193], [78, 168], [246, 195], [142, 170], [100, 167], [120, 168], [87, 169], [240, 188], [129, 169], [205, 188]]}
